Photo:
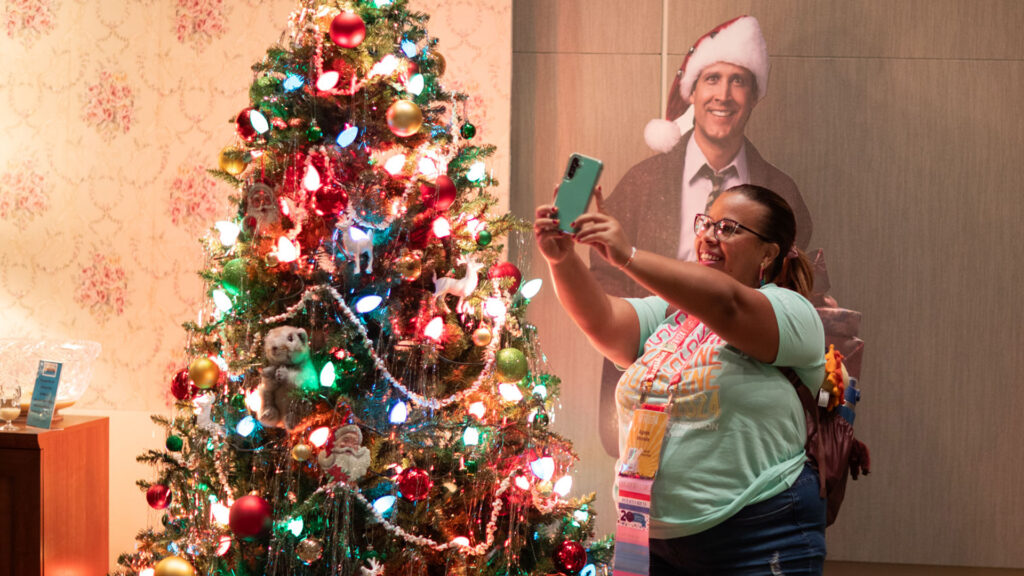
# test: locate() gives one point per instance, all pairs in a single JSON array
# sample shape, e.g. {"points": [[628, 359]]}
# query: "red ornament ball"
{"points": [[182, 386], [244, 126], [249, 516], [158, 496], [506, 270], [440, 195], [570, 557], [414, 483], [348, 30]]}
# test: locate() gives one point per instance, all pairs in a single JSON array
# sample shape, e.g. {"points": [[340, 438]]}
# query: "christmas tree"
{"points": [[363, 394]]}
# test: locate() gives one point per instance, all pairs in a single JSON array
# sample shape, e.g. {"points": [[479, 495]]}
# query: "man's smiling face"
{"points": [[723, 98]]}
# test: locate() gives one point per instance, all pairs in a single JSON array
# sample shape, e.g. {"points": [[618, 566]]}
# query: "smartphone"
{"points": [[573, 197]]}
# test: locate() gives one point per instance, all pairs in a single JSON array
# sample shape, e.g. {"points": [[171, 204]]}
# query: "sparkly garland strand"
{"points": [[417, 399]]}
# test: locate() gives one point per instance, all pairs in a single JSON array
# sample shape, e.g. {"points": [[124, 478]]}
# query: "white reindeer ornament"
{"points": [[461, 287]]}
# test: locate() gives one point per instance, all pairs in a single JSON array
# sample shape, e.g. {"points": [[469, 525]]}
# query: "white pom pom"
{"points": [[661, 135]]}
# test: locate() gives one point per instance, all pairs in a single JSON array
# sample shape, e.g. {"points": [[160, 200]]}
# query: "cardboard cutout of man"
{"points": [[721, 80]]}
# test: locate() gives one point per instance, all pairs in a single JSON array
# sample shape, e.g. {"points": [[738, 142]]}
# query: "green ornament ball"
{"points": [[314, 133], [468, 130], [238, 402], [541, 421], [174, 443], [349, 365], [471, 466], [483, 238], [511, 365], [234, 275]]}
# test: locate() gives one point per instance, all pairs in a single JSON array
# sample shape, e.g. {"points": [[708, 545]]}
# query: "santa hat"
{"points": [[738, 41]]}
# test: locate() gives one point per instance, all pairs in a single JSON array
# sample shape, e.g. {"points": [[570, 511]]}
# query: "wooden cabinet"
{"points": [[54, 493]]}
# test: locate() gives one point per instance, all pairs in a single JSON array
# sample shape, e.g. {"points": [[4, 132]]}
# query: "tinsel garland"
{"points": [[417, 399]]}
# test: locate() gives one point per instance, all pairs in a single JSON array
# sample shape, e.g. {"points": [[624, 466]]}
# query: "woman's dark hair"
{"points": [[779, 226]]}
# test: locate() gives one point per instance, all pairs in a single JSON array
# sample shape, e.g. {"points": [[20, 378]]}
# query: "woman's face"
{"points": [[742, 254]]}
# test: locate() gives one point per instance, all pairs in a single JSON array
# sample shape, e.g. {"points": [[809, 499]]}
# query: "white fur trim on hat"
{"points": [[740, 43], [663, 135]]}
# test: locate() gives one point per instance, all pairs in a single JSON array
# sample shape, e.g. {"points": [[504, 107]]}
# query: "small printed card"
{"points": [[646, 434], [44, 396], [632, 529]]}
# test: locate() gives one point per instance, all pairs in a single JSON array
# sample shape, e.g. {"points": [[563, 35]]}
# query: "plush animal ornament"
{"points": [[287, 370], [344, 457]]}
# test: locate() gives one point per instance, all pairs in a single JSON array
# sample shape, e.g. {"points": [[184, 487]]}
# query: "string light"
{"points": [[368, 303], [328, 375], [399, 413], [295, 526], [311, 181], [221, 300], [510, 392], [415, 84], [327, 80], [223, 546], [441, 227], [292, 82], [395, 164], [259, 122], [530, 288], [477, 172], [563, 486], [543, 467], [495, 308], [384, 504], [386, 66], [319, 436], [471, 436], [435, 329], [347, 136], [286, 251], [228, 232], [478, 409], [246, 426]]}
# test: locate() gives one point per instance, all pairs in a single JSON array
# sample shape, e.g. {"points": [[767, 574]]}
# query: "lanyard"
{"points": [[681, 333]]}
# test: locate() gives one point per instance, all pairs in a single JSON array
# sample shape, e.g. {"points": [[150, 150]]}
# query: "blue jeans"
{"points": [[785, 534]]}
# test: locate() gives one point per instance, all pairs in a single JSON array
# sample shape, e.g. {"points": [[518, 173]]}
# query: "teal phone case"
{"points": [[578, 182]]}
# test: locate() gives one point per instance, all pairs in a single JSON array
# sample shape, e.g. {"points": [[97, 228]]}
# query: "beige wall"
{"points": [[901, 123], [109, 118]]}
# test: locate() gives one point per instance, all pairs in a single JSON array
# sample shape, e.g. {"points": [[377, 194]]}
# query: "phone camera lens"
{"points": [[573, 165]]}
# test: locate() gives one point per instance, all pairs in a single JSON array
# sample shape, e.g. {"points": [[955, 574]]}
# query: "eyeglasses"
{"points": [[724, 228]]}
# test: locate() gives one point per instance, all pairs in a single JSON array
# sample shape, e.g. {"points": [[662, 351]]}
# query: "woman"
{"points": [[733, 494]]}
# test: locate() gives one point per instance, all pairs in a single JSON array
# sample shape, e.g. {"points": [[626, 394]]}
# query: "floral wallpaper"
{"points": [[111, 112]]}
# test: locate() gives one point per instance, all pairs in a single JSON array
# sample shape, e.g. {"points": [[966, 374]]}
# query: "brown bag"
{"points": [[831, 448]]}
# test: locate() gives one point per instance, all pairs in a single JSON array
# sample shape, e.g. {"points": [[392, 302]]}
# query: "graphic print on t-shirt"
{"points": [[687, 369]]}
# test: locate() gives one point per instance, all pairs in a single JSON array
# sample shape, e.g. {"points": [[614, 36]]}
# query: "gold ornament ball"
{"points": [[302, 452], [204, 372], [174, 566], [404, 118], [309, 550], [481, 337], [231, 160], [440, 64], [409, 267]]}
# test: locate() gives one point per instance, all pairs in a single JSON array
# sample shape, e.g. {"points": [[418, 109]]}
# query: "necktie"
{"points": [[716, 184]]}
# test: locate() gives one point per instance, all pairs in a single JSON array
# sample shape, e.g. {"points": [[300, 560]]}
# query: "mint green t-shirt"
{"points": [[736, 434]]}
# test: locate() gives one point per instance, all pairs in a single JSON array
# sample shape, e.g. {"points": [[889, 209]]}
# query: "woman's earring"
{"points": [[760, 277]]}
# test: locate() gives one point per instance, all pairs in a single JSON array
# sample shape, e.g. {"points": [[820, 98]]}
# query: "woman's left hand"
{"points": [[603, 233]]}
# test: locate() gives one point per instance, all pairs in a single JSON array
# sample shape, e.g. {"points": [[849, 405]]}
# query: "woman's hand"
{"points": [[603, 233], [554, 244]]}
